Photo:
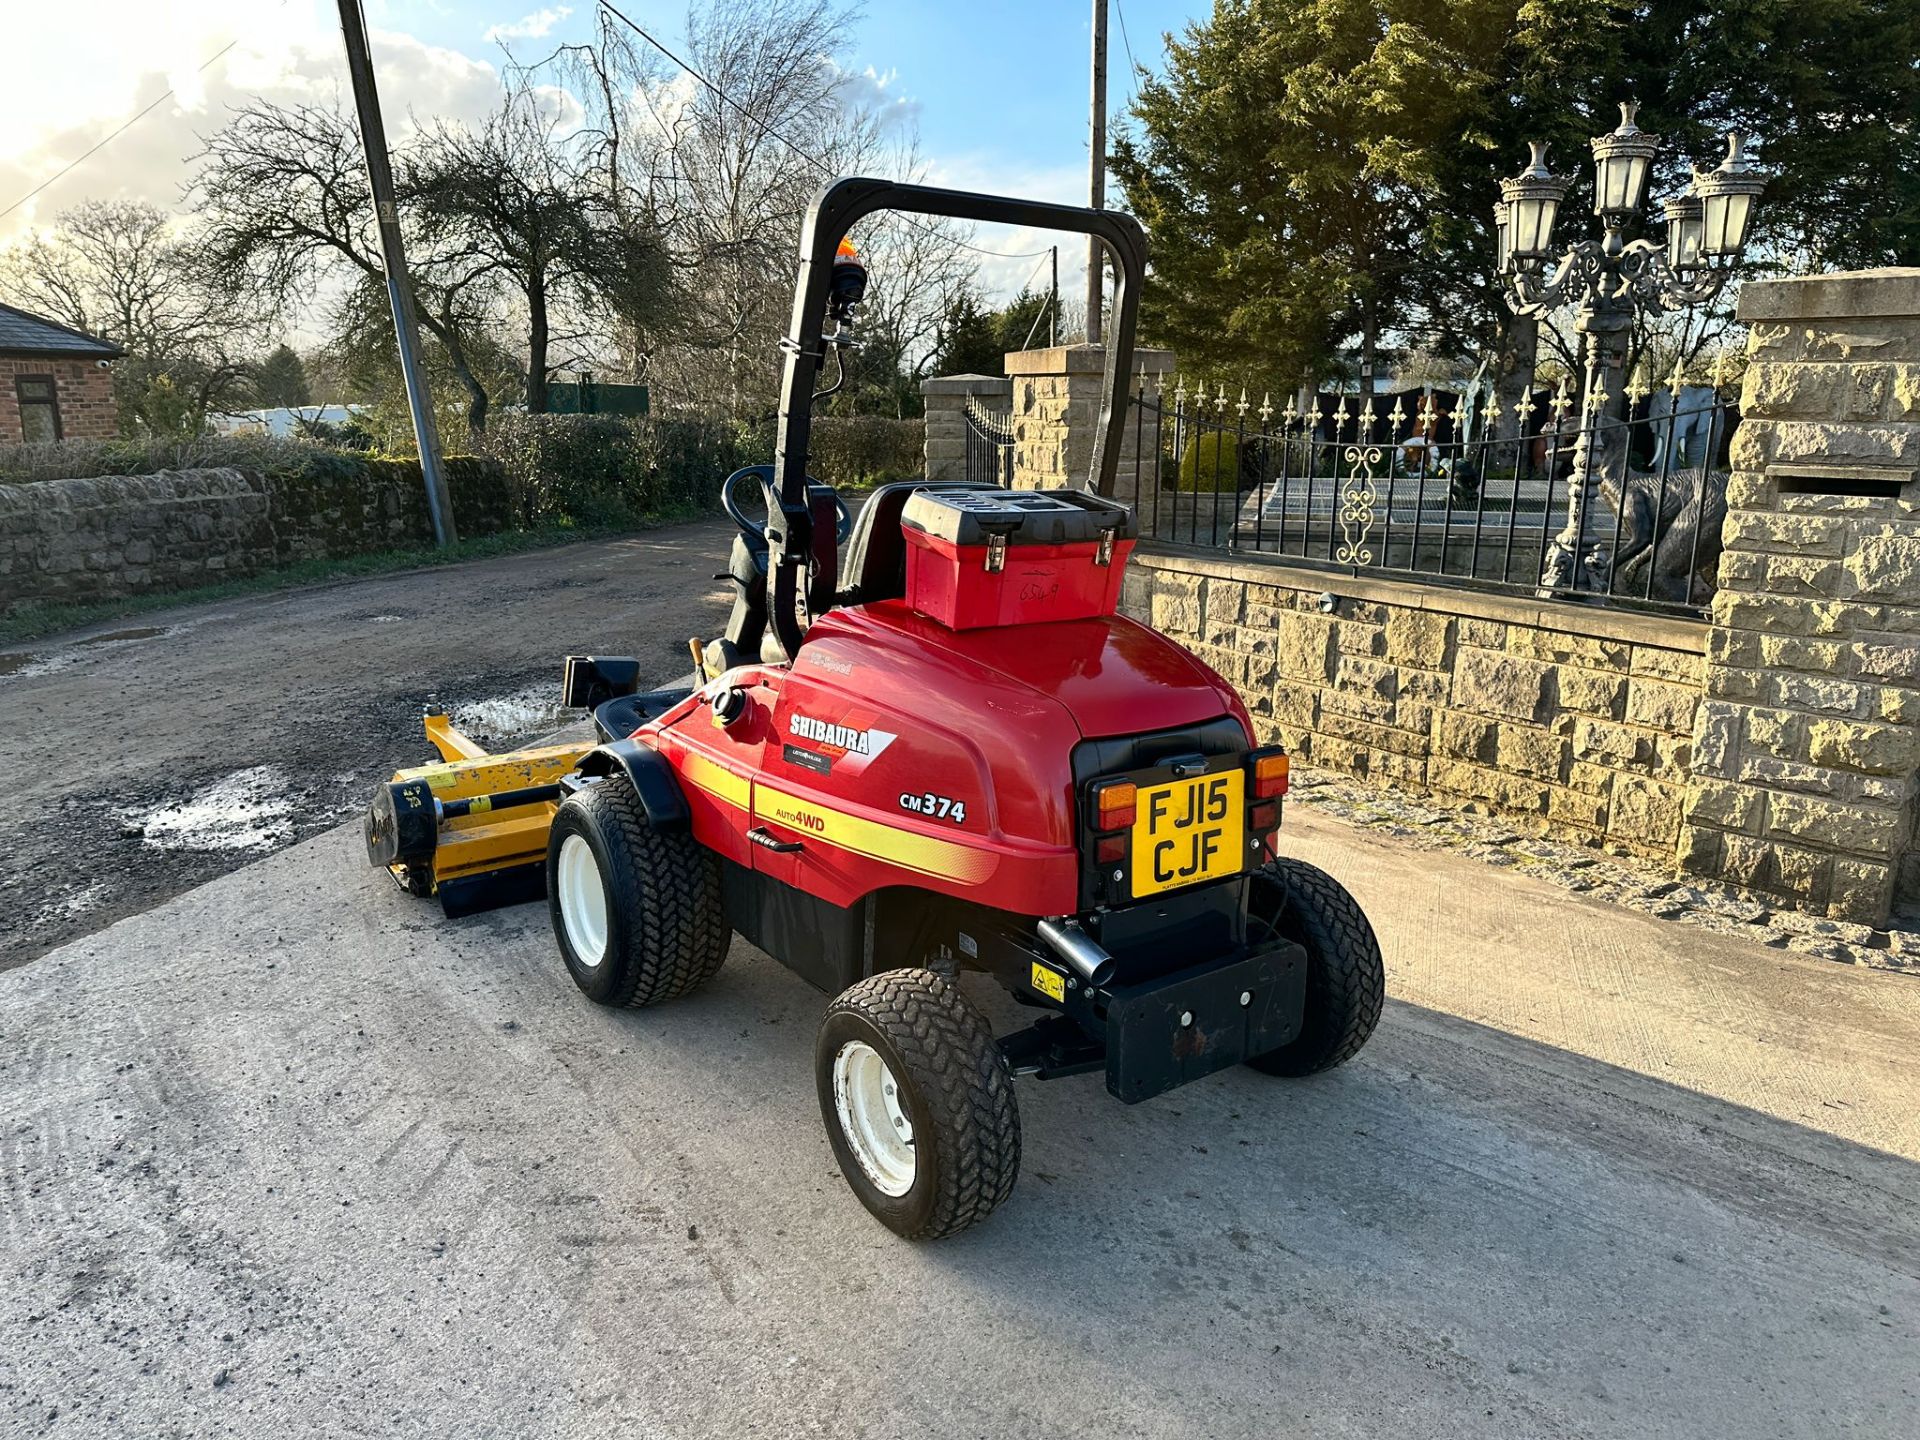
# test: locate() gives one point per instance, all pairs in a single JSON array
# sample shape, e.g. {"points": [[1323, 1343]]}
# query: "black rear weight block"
{"points": [[403, 823]]}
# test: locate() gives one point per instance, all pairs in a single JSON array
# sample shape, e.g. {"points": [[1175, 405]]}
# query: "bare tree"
{"points": [[121, 270], [285, 212], [517, 200], [723, 169]]}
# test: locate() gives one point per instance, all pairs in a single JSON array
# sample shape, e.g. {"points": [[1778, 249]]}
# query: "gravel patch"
{"points": [[1622, 880]]}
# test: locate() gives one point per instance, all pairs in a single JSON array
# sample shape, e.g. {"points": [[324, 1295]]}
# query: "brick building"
{"points": [[55, 383]]}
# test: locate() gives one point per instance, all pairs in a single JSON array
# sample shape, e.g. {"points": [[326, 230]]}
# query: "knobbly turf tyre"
{"points": [[653, 929], [1346, 978], [942, 1059]]}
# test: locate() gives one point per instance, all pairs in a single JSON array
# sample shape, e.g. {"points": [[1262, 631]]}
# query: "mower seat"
{"points": [[876, 557]]}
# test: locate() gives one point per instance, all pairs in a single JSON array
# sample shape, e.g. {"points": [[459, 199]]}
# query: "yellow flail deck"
{"points": [[472, 827]]}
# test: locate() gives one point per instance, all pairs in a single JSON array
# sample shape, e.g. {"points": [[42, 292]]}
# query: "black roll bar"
{"points": [[790, 524]]}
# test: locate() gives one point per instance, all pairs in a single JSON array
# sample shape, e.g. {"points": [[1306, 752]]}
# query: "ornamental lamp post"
{"points": [[1610, 280]]}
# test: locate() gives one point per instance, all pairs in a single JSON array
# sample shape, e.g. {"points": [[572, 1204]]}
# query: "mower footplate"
{"points": [[1163, 1033]]}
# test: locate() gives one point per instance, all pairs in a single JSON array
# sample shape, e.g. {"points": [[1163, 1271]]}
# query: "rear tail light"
{"points": [[1264, 818], [1110, 849], [1114, 805], [1269, 770]]}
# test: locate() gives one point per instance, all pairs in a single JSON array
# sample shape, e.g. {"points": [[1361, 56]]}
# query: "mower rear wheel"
{"points": [[918, 1102], [636, 910], [1346, 977]]}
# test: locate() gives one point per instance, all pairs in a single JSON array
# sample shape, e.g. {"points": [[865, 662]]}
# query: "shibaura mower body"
{"points": [[934, 750]]}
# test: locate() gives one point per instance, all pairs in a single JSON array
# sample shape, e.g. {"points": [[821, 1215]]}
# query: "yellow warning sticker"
{"points": [[1049, 983], [444, 779]]}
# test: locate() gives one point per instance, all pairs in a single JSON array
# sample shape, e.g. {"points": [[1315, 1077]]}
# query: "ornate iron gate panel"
{"points": [[1443, 484], [989, 444]]}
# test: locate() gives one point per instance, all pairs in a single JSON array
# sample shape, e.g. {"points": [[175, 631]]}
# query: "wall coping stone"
{"points": [[1081, 360], [1631, 626], [1847, 294], [966, 385]]}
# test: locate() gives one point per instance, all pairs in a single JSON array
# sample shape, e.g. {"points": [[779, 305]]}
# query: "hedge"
{"points": [[613, 471], [1211, 463], [579, 471]]}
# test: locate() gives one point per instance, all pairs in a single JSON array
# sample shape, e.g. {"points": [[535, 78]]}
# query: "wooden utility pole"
{"points": [[1097, 172], [393, 257]]}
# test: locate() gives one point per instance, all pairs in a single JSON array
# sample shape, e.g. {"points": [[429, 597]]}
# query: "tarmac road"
{"points": [[289, 1155], [309, 697]]}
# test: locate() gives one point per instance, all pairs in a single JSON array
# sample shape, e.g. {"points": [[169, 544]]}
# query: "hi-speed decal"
{"points": [[851, 748]]}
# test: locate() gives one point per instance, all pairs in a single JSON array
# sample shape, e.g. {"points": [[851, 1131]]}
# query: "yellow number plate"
{"points": [[1189, 831]]}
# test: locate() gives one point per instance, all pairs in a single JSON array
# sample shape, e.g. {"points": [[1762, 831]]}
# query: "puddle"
{"points": [[248, 810], [26, 663], [535, 709], [78, 902]]}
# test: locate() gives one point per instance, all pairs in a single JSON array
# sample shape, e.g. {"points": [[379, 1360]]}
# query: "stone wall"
{"points": [[80, 541], [1056, 410], [1562, 719], [87, 407], [1809, 740], [946, 402]]}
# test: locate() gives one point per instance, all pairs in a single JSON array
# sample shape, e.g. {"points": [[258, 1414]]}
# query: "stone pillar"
{"points": [[946, 402], [1806, 747], [1056, 408]]}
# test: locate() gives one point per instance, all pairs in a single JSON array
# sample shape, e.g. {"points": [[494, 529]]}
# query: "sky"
{"points": [[999, 87]]}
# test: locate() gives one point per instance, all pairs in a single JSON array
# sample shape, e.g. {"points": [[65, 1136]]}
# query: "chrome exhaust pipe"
{"points": [[1079, 951]]}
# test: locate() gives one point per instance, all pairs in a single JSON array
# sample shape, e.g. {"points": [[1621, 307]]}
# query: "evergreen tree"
{"points": [[281, 379], [975, 339], [1317, 173], [1283, 165], [969, 339]]}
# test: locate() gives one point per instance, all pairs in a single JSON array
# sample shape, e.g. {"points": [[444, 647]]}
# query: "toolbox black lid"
{"points": [[1024, 517]]}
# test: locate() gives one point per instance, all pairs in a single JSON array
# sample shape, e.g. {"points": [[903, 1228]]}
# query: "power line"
{"points": [[124, 127], [127, 125], [1133, 65], [766, 128]]}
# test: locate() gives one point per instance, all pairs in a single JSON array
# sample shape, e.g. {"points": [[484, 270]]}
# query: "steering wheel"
{"points": [[754, 529]]}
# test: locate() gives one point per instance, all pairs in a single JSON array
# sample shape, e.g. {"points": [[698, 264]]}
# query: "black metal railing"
{"points": [[989, 443], [1446, 485]]}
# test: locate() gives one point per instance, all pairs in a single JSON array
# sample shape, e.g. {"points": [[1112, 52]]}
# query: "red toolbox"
{"points": [[1014, 557]]}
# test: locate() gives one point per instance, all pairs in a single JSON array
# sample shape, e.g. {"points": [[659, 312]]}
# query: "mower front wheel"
{"points": [[636, 910], [1346, 977], [918, 1102]]}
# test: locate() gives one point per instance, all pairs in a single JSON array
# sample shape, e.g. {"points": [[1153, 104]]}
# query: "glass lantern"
{"points": [[1726, 201], [1500, 241], [1532, 199], [1621, 162], [1685, 229]]}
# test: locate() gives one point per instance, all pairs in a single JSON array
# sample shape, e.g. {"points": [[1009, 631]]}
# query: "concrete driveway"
{"points": [[290, 1155], [293, 1156], [146, 756]]}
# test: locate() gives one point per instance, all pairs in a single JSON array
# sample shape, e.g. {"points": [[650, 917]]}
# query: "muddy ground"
{"points": [[147, 757]]}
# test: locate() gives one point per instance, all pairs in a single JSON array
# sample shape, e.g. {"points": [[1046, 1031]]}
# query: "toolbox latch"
{"points": [[1104, 555], [996, 554]]}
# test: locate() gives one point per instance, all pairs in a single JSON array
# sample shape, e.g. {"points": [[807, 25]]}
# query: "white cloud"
{"points": [[138, 51], [529, 27], [878, 94], [1000, 276]]}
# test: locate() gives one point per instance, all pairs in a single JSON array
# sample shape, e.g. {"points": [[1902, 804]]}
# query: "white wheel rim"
{"points": [[867, 1100], [583, 901]]}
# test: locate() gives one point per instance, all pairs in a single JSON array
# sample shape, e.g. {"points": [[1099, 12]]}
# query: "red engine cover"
{"points": [[899, 752]]}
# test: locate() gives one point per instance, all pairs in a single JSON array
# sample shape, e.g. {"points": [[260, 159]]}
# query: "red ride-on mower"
{"points": [[941, 751]]}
